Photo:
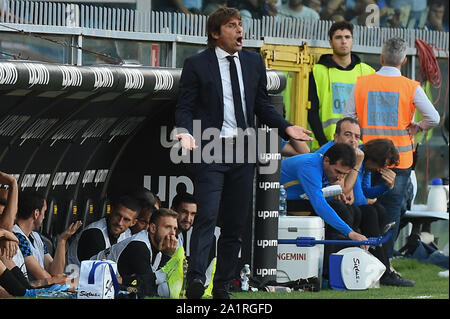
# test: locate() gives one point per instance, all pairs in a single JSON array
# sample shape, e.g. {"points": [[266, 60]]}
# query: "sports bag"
{"points": [[98, 280]]}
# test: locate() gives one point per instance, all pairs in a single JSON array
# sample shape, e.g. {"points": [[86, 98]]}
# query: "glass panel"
{"points": [[371, 59], [186, 50], [35, 47], [124, 51]]}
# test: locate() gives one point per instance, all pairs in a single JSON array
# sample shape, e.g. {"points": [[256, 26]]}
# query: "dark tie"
{"points": [[238, 113]]}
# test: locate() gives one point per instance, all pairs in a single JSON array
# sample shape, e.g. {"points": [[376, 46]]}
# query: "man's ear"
{"points": [[152, 228], [36, 214], [404, 60], [215, 35]]}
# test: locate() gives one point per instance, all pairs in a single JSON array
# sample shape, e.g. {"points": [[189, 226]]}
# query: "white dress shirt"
{"points": [[229, 120], [430, 116]]}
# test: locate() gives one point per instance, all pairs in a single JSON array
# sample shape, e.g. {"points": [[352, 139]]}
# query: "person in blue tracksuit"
{"points": [[374, 156], [308, 174]]}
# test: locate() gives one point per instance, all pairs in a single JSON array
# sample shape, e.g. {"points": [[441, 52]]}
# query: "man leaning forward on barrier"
{"points": [[308, 174]]}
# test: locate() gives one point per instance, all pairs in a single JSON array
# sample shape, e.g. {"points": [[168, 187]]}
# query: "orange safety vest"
{"points": [[384, 107]]}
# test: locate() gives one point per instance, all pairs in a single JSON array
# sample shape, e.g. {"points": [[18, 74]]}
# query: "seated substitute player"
{"points": [[105, 232], [151, 256]]}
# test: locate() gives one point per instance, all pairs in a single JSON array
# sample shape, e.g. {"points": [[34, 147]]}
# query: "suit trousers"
{"points": [[224, 187]]}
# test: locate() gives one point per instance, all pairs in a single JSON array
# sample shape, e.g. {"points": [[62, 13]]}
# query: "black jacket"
{"points": [[201, 98]]}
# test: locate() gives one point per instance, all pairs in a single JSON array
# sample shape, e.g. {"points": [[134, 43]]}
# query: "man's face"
{"points": [[165, 226], [342, 42], [186, 213], [335, 172], [436, 14], [350, 134], [142, 221], [372, 166], [315, 5], [230, 37], [40, 219], [121, 219]]}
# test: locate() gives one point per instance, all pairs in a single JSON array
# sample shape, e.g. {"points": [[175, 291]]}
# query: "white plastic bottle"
{"points": [[437, 198], [245, 273]]}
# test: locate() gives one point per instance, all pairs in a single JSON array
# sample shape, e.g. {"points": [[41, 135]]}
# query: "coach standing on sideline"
{"points": [[223, 87], [384, 103]]}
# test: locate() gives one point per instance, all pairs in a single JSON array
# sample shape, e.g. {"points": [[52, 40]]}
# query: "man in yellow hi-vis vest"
{"points": [[331, 82], [384, 104]]}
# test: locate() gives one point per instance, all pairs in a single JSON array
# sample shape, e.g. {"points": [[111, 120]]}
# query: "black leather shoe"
{"points": [[220, 294], [393, 279], [195, 289]]}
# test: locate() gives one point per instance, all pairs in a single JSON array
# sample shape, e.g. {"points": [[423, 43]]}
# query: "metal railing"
{"points": [[278, 29]]}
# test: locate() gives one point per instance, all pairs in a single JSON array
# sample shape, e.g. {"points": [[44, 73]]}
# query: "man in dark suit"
{"points": [[224, 88]]}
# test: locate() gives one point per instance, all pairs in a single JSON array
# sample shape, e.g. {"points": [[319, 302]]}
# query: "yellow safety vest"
{"points": [[333, 88]]}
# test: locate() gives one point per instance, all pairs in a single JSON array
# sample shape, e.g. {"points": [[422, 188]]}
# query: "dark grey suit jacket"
{"points": [[201, 97]]}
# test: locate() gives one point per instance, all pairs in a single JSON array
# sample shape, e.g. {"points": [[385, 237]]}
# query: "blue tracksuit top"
{"points": [[307, 169], [363, 188]]}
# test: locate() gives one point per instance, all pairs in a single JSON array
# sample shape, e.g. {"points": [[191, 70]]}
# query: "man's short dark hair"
{"points": [[162, 212], [341, 25], [28, 202], [343, 152], [129, 202], [381, 151], [146, 198], [183, 198], [217, 19], [143, 194], [437, 3], [345, 119]]}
